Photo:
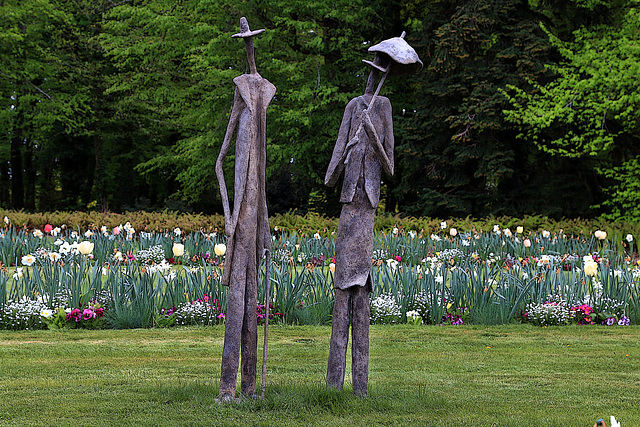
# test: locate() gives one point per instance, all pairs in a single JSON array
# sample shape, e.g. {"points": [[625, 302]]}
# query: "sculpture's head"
{"points": [[245, 32], [248, 35], [393, 57], [397, 53]]}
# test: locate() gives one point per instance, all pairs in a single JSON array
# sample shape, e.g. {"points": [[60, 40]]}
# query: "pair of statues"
{"points": [[364, 148]]}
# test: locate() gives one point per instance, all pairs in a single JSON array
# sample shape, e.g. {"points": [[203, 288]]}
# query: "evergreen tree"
{"points": [[458, 156], [175, 64], [588, 112]]}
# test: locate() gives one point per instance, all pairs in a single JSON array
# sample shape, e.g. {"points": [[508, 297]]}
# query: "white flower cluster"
{"points": [[609, 306], [492, 258], [281, 255], [65, 252], [449, 253], [60, 299], [163, 268], [432, 263], [413, 317], [104, 298], [196, 313], [420, 303], [385, 309], [153, 255], [635, 272], [24, 314], [380, 254], [552, 312]]}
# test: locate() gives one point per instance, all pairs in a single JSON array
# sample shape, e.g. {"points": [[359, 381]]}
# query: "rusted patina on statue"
{"points": [[247, 224], [364, 148]]}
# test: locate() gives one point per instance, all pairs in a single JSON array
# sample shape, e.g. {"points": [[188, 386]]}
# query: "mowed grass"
{"points": [[514, 375]]}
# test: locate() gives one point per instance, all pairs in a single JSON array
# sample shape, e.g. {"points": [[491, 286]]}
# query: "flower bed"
{"points": [[122, 277]]}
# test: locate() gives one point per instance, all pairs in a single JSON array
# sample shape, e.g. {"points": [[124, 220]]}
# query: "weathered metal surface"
{"points": [[364, 148], [247, 225]]}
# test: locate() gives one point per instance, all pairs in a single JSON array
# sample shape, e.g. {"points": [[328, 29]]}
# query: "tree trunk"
{"points": [[29, 178], [17, 183]]}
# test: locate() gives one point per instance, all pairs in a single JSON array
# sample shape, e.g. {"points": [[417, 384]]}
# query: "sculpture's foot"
{"points": [[360, 392], [334, 384]]}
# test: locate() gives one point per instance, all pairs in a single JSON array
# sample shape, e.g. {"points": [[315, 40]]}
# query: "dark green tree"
{"points": [[458, 156], [589, 112], [49, 93], [174, 68], [30, 102]]}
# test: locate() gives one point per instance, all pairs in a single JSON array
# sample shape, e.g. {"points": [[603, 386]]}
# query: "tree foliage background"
{"points": [[523, 107]]}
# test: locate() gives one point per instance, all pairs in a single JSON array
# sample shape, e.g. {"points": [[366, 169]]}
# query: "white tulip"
{"points": [[85, 247], [178, 249]]}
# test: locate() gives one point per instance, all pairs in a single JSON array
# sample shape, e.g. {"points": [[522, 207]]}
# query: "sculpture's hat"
{"points": [[245, 31], [399, 51]]}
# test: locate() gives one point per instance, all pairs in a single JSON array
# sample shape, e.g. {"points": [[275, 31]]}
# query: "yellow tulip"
{"points": [[85, 248], [590, 268], [600, 235], [220, 249], [178, 249]]}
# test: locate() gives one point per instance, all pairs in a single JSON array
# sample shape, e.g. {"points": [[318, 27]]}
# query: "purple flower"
{"points": [[624, 321], [88, 314], [167, 312], [458, 321], [611, 321]]}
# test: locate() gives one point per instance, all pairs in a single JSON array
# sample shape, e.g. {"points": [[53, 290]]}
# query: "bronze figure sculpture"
{"points": [[247, 225], [364, 148]]}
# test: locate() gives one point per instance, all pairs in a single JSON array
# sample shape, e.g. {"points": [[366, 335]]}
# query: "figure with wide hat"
{"points": [[247, 224], [364, 148]]}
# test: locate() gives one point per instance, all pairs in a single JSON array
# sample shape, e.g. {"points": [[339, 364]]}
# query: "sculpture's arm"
{"points": [[385, 155], [341, 149], [226, 143]]}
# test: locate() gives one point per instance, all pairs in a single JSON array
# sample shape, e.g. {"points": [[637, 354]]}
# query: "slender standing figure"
{"points": [[363, 150], [247, 224]]}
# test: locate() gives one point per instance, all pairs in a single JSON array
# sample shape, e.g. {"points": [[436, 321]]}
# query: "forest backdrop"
{"points": [[523, 107]]}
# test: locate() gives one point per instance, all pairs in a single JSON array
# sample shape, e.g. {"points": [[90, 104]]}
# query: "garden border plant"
{"points": [[447, 275]]}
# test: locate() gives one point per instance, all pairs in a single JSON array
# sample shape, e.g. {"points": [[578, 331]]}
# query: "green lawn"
{"points": [[420, 375]]}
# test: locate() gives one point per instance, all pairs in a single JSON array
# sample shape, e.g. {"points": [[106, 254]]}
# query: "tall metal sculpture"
{"points": [[247, 225], [364, 149]]}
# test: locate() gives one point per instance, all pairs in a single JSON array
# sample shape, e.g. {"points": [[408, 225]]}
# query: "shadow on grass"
{"points": [[307, 399]]}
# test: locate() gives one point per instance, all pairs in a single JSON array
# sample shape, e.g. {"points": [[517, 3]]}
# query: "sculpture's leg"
{"points": [[339, 339], [232, 332], [360, 341], [250, 332], [235, 319]]}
